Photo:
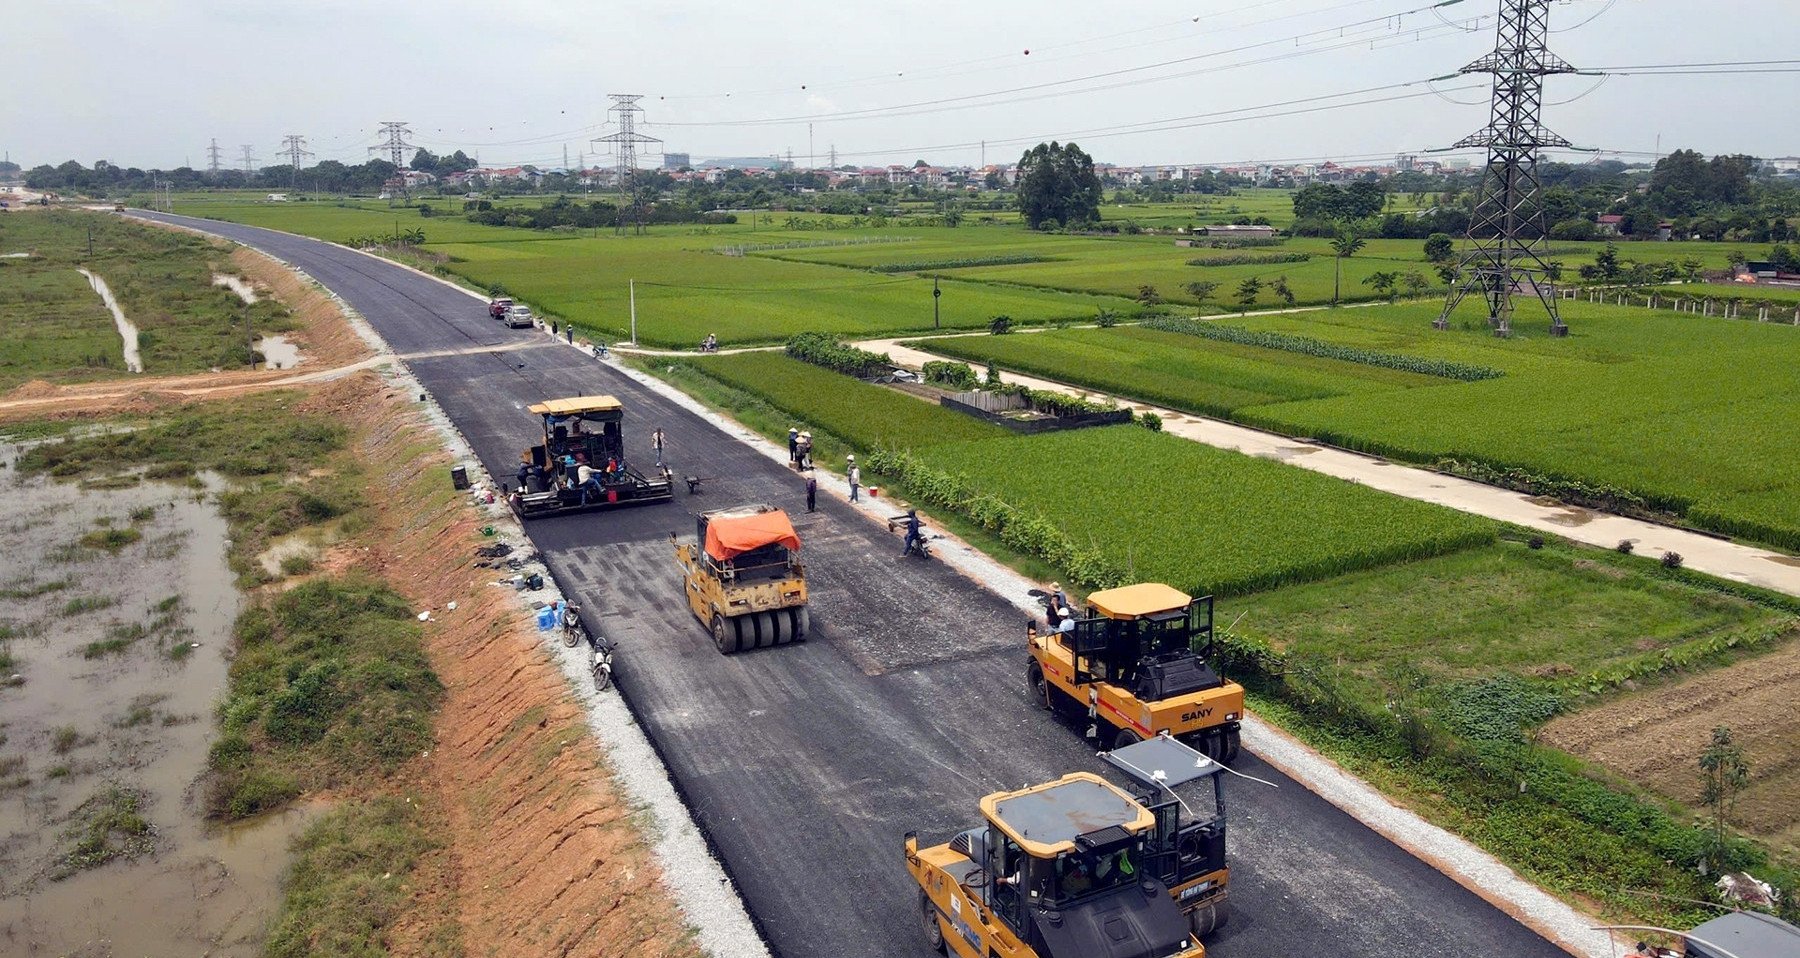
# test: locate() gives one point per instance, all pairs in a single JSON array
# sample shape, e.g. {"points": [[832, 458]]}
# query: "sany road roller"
{"points": [[1080, 868], [743, 577]]}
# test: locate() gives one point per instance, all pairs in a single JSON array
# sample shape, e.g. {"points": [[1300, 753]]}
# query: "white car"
{"points": [[519, 317]]}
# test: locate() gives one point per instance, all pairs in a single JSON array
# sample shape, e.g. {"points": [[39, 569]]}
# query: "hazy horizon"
{"points": [[150, 84]]}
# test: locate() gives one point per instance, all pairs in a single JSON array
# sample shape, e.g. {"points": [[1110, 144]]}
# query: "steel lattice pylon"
{"points": [[1507, 230], [625, 144]]}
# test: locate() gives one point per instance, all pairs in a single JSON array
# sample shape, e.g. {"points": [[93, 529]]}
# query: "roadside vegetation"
{"points": [[330, 683], [54, 327]]}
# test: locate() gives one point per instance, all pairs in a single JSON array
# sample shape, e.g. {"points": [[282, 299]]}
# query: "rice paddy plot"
{"points": [[1203, 519]]}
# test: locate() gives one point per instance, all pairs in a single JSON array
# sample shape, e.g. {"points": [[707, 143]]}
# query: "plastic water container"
{"points": [[546, 618]]}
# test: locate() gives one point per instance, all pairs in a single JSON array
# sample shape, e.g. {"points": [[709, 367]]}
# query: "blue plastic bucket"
{"points": [[546, 618]]}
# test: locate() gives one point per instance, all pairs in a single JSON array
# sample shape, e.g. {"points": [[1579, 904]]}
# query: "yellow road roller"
{"points": [[743, 577], [1079, 867], [1141, 662]]}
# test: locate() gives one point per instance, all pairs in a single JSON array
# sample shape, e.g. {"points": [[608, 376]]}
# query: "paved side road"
{"points": [[805, 764]]}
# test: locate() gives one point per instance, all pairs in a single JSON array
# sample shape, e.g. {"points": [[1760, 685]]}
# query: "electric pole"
{"points": [[293, 146], [249, 161], [832, 162], [625, 144], [395, 132], [1506, 232], [212, 157]]}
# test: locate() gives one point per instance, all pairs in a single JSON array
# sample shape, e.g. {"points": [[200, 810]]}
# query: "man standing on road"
{"points": [[855, 477], [656, 443], [812, 494], [793, 444]]}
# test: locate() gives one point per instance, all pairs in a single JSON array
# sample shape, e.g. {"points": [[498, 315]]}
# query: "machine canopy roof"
{"points": [[575, 406], [732, 535], [1135, 601]]}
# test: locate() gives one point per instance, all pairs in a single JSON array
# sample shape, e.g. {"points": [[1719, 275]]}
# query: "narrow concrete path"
{"points": [[1698, 551]]}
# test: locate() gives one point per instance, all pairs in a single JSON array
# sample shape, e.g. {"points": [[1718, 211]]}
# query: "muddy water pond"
{"points": [[117, 605]]}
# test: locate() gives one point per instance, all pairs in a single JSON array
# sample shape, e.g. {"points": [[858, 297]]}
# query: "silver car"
{"points": [[519, 317]]}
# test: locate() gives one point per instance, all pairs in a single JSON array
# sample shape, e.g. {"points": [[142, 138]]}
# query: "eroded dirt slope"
{"points": [[543, 855]]}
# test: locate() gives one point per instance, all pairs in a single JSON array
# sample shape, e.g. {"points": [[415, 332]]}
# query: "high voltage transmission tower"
{"points": [[395, 132], [249, 160], [624, 145], [212, 157], [1507, 230], [293, 146]]}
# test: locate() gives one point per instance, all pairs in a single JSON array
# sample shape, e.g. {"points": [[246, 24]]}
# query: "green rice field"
{"points": [[1202, 519], [1692, 414]]}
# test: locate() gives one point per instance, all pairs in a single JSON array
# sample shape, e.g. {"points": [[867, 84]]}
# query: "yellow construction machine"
{"points": [[744, 579], [1080, 868], [1139, 664]]}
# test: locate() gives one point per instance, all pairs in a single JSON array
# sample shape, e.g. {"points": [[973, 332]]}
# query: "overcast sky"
{"points": [[151, 82]]}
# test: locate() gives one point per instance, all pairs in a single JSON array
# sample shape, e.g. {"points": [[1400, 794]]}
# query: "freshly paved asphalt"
{"points": [[805, 764]]}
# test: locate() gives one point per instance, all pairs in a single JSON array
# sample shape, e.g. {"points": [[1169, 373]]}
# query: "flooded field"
{"points": [[116, 607]]}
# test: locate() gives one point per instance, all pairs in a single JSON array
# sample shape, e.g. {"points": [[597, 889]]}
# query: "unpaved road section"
{"points": [[1709, 554], [1653, 737], [805, 764]]}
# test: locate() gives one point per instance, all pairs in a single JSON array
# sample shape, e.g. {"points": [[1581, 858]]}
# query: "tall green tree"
{"points": [[1723, 774], [1057, 186], [1246, 293], [1346, 245]]}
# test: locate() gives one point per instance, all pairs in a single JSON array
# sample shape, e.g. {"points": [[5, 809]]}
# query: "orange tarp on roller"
{"points": [[728, 537]]}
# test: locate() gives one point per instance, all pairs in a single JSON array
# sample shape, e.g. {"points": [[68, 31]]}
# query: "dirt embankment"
{"points": [[542, 856], [1655, 738], [324, 337]]}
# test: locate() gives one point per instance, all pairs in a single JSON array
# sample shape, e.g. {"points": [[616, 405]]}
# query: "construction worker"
{"points": [[1065, 625], [585, 481], [793, 444], [855, 476], [913, 537], [804, 451], [812, 494], [656, 443]]}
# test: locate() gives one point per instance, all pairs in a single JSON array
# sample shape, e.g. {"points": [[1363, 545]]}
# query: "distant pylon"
{"points": [[293, 147], [395, 132], [249, 160], [624, 144], [1507, 229], [212, 157], [832, 153]]}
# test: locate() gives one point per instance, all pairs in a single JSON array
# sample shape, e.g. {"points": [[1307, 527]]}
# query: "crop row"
{"points": [[864, 416], [1250, 259], [1264, 339], [1130, 504], [1169, 369], [961, 262]]}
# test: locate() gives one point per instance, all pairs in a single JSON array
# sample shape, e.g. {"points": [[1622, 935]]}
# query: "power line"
{"points": [[249, 160], [212, 157], [1383, 22], [1167, 124]]}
